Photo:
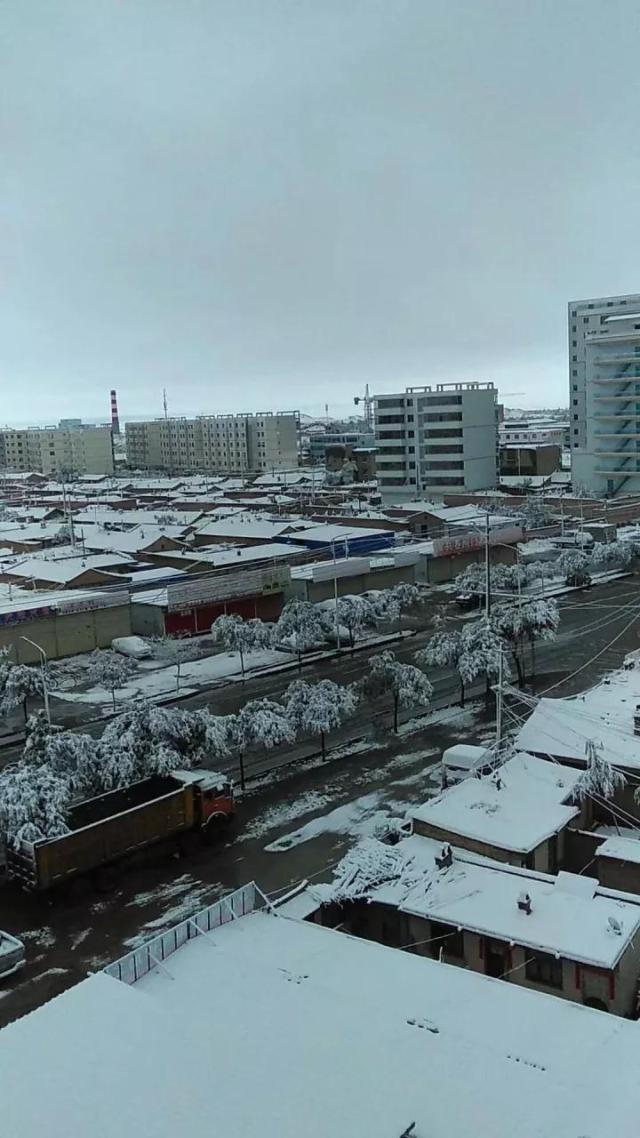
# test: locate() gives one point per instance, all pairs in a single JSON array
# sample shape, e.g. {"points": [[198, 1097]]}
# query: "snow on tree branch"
{"points": [[107, 669], [599, 778]]}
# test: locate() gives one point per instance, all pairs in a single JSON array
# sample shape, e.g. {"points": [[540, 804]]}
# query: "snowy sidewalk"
{"points": [[160, 685]]}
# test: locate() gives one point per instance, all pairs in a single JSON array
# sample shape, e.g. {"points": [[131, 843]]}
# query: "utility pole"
{"points": [[335, 595], [487, 569], [499, 705]]}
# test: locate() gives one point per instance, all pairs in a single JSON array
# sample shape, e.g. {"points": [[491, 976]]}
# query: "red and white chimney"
{"points": [[115, 421]]}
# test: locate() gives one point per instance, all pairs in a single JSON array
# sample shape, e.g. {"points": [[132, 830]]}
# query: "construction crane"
{"points": [[367, 401]]}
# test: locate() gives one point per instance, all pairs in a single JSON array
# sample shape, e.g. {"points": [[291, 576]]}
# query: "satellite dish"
{"points": [[614, 925]]}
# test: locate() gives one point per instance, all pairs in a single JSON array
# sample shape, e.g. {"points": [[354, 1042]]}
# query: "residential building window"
{"points": [[574, 343], [575, 402], [575, 387], [575, 416], [575, 431], [544, 969], [447, 938], [574, 372], [574, 359], [585, 319]]}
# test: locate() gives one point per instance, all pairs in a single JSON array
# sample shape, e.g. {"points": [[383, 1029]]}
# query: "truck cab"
{"points": [[214, 804]]}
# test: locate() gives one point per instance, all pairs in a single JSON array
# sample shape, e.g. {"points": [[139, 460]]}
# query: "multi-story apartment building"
{"points": [[436, 439], [234, 444], [604, 376], [62, 452]]}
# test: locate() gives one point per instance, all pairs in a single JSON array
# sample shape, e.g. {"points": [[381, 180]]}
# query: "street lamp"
{"points": [[335, 594], [43, 666]]}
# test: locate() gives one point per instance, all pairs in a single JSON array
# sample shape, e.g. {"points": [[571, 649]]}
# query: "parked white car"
{"points": [[12, 954], [133, 646]]}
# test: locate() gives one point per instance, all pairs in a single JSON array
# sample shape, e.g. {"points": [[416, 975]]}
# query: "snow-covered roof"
{"points": [[14, 599], [62, 571], [515, 808], [277, 1027], [325, 534], [129, 518], [466, 756], [568, 914], [604, 714], [240, 553], [127, 541], [620, 848], [245, 525]]}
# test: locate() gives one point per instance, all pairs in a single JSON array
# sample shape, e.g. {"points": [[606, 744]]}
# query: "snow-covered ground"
{"points": [[162, 681]]}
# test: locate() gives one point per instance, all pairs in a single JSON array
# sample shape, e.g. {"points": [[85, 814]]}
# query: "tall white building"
{"points": [[65, 451], [436, 439], [604, 369], [231, 444]]}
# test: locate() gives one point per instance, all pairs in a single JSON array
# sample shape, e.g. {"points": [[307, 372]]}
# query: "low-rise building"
{"points": [[61, 622], [529, 461], [518, 814], [563, 934]]}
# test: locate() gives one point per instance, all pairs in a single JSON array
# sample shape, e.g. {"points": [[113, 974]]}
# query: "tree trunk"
{"points": [[241, 765], [178, 666], [461, 693], [25, 711], [113, 696], [518, 664], [322, 745], [533, 656], [395, 714], [241, 663]]}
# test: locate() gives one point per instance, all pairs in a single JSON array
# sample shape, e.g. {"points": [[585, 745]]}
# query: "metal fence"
{"points": [[152, 953]]}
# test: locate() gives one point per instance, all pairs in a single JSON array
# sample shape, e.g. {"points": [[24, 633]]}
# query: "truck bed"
{"points": [[105, 829]]}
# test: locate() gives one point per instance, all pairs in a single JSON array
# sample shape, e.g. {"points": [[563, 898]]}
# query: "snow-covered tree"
{"points": [[302, 625], [241, 636], [481, 651], [575, 565], [616, 554], [34, 803], [600, 778], [539, 571], [524, 623], [354, 614], [173, 651], [472, 580], [406, 684], [535, 514], [149, 740], [107, 669], [37, 735], [63, 534], [443, 651], [318, 708], [389, 604], [261, 722], [18, 684]]}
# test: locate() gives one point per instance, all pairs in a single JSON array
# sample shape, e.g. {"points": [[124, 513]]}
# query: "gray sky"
{"points": [[266, 203]]}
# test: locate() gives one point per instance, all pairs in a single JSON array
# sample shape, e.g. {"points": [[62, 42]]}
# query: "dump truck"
{"points": [[105, 830]]}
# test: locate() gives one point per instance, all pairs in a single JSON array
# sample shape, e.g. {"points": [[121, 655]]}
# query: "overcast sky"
{"points": [[268, 203]]}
